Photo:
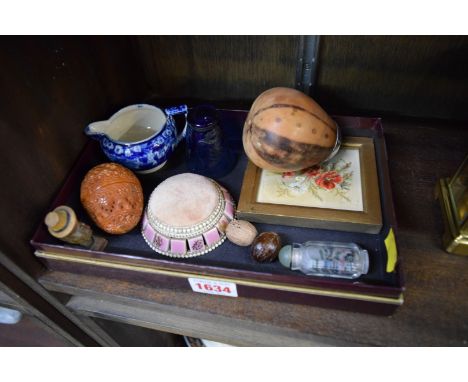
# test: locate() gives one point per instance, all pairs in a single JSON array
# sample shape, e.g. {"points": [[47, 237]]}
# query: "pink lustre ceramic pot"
{"points": [[187, 215]]}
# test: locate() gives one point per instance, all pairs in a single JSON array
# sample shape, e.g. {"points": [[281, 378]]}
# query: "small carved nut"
{"points": [[266, 246], [241, 232]]}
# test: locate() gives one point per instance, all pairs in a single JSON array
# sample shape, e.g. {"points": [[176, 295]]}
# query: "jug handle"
{"points": [[182, 109], [93, 130]]}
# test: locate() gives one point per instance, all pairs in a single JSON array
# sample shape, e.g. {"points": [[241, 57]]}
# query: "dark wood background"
{"points": [[232, 69], [51, 87], [417, 76]]}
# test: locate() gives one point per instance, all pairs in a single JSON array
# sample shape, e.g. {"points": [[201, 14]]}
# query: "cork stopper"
{"points": [[52, 219]]}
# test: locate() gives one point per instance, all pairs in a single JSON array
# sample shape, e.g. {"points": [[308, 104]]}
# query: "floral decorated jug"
{"points": [[140, 137]]}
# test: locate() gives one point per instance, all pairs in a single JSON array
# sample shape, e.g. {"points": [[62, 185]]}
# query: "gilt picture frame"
{"points": [[341, 194]]}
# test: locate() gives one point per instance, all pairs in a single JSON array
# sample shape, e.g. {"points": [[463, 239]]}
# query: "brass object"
{"points": [[369, 220], [453, 197]]}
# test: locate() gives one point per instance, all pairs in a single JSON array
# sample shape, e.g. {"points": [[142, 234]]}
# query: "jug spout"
{"points": [[97, 130]]}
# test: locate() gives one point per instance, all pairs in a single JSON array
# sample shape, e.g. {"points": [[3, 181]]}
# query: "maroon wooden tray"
{"points": [[129, 257]]}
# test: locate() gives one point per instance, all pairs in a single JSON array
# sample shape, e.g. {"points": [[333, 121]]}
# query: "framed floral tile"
{"points": [[341, 194], [335, 184]]}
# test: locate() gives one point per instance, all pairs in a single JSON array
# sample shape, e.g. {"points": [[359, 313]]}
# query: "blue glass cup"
{"points": [[206, 150]]}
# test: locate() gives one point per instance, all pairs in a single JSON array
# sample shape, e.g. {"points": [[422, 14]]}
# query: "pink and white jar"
{"points": [[187, 215]]}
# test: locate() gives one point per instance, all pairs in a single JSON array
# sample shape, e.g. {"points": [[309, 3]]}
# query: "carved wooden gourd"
{"points": [[286, 130]]}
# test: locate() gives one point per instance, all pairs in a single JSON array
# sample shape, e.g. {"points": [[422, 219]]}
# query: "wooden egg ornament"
{"points": [[112, 196], [287, 130], [265, 247], [241, 232]]}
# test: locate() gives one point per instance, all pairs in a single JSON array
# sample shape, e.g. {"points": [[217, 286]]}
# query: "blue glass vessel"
{"points": [[206, 150]]}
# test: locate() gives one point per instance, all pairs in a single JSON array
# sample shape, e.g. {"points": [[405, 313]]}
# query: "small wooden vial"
{"points": [[63, 224]]}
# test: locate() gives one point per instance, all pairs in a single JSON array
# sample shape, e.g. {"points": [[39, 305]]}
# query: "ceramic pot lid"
{"points": [[187, 215]]}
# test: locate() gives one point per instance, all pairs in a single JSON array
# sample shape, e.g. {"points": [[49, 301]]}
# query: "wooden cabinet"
{"points": [[53, 86]]}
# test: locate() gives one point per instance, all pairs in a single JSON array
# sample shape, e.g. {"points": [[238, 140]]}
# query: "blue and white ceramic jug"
{"points": [[140, 137]]}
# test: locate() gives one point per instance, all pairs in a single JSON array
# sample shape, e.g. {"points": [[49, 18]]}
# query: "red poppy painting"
{"points": [[334, 184], [328, 180]]}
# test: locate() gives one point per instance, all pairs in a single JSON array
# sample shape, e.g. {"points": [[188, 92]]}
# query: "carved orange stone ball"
{"points": [[113, 197], [287, 130]]}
